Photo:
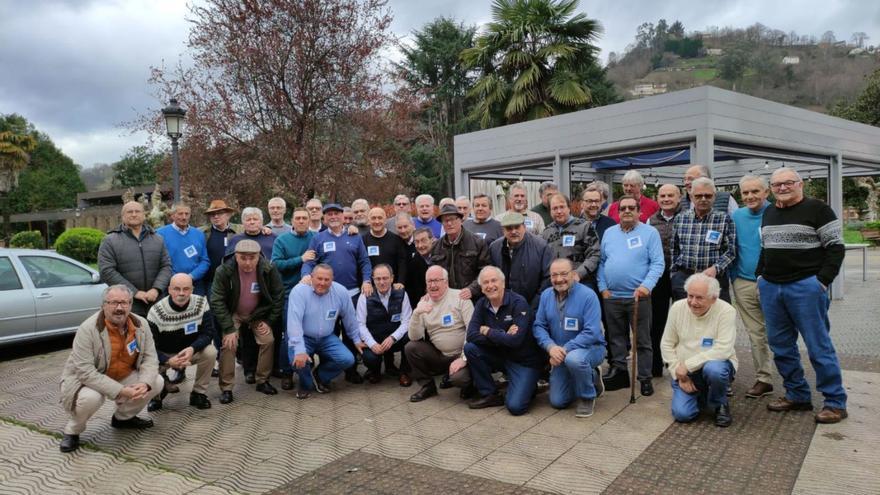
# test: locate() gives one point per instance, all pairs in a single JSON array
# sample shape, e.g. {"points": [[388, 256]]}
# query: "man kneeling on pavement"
{"points": [[499, 338], [697, 347], [183, 329], [383, 318], [113, 357]]}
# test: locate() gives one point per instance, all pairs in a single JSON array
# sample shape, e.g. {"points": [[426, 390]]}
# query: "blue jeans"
{"points": [[522, 380], [335, 358], [802, 307], [574, 379], [711, 382]]}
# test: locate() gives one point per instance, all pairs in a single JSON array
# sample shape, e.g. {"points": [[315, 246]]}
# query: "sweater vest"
{"points": [[379, 320]]}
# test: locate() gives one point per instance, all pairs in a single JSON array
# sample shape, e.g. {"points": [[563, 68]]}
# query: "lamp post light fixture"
{"points": [[174, 117]]}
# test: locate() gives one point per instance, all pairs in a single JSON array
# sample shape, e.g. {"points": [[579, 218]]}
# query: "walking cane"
{"points": [[634, 346]]}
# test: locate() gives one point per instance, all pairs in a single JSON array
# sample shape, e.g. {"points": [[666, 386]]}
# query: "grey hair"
{"points": [[464, 198], [323, 266], [704, 170], [442, 270], [749, 178], [313, 200], [422, 197], [446, 201], [633, 176], [490, 268], [601, 186], [564, 260], [251, 210], [277, 199], [517, 185], [114, 287], [401, 196], [546, 185], [360, 201], [786, 169], [713, 288], [179, 205], [703, 181], [402, 215]]}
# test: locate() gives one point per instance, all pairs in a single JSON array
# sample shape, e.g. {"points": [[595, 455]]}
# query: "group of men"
{"points": [[492, 304]]}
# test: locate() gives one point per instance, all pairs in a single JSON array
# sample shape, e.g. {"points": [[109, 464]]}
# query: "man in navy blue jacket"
{"points": [[499, 338], [524, 259]]}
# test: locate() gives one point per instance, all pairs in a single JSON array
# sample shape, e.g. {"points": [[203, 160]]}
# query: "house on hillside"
{"points": [[714, 52], [647, 89], [791, 60]]}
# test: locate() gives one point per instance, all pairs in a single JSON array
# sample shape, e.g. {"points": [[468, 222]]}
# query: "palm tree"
{"points": [[531, 59], [14, 157]]}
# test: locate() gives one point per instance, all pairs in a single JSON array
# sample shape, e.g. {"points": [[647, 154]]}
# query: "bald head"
{"points": [[180, 289], [133, 215], [376, 218]]}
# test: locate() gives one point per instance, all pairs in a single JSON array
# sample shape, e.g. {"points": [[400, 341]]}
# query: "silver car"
{"points": [[44, 294]]}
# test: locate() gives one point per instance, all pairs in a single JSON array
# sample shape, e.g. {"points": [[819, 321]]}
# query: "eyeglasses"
{"points": [[629, 208], [431, 281], [704, 196], [593, 201], [402, 204], [788, 184], [117, 303], [559, 274]]}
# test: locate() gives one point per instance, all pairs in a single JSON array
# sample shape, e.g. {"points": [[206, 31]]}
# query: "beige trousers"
{"points": [[204, 363], [748, 305], [88, 401], [265, 359]]}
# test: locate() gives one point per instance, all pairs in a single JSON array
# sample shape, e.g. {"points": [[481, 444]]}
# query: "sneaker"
{"points": [[759, 389], [782, 404], [597, 382], [830, 415], [585, 408]]}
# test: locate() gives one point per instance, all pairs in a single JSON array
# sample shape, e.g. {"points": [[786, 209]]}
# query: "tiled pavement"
{"points": [[370, 439]]}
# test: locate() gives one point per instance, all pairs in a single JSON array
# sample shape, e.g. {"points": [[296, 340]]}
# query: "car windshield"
{"points": [[48, 272]]}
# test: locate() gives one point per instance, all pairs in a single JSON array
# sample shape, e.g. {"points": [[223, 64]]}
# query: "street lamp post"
{"points": [[174, 116]]}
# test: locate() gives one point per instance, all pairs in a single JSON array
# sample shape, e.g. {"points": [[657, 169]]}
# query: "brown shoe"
{"points": [[759, 389], [405, 380], [782, 404], [829, 415]]}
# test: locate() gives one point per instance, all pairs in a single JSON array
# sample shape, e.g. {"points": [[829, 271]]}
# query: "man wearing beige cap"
{"points": [[246, 298]]}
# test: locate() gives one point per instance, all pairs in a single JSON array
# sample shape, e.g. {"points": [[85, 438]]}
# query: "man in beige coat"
{"points": [[113, 357]]}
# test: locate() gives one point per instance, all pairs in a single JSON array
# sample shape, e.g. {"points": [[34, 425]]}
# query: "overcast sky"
{"points": [[78, 69]]}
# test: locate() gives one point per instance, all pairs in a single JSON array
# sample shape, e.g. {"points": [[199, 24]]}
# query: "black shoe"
{"points": [[154, 405], [427, 390], [215, 373], [134, 423], [597, 382], [69, 443], [179, 376], [445, 383], [373, 376], [722, 416], [468, 392], [226, 397], [200, 401], [266, 388], [352, 376], [287, 382], [492, 400], [616, 379], [250, 378], [391, 369], [320, 387], [647, 388]]}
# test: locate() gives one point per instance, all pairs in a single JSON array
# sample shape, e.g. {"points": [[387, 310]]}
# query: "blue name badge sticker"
{"points": [[571, 324], [481, 235], [634, 242], [713, 237], [255, 288], [707, 342], [395, 318], [372, 250], [190, 328], [331, 314], [529, 223], [330, 246], [132, 347], [446, 320], [568, 241], [190, 251]]}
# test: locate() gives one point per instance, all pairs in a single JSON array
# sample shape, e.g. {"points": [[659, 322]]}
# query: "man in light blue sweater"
{"points": [[311, 319], [187, 247], [629, 267]]}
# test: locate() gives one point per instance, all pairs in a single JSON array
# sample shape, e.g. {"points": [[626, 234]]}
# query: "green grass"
{"points": [[852, 236], [704, 74]]}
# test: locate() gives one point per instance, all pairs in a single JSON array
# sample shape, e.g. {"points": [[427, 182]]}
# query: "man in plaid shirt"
{"points": [[704, 241]]}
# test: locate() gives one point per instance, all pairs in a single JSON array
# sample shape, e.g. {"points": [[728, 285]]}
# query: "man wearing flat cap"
{"points": [[523, 258], [460, 252]]}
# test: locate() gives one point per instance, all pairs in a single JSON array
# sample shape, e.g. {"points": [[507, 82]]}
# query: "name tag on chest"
{"points": [[568, 241], [707, 342], [190, 251], [571, 324], [481, 235], [395, 318], [190, 328], [372, 250], [255, 288], [331, 314], [713, 237], [529, 224], [329, 247], [634, 242], [446, 320], [132, 347]]}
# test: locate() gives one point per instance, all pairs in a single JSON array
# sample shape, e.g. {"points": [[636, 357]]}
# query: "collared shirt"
{"points": [[405, 315], [181, 230], [312, 315], [699, 243]]}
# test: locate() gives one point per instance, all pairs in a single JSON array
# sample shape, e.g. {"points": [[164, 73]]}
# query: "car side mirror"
{"points": [[96, 278]]}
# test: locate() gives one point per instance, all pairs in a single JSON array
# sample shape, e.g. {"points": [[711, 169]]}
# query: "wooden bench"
{"points": [[871, 235]]}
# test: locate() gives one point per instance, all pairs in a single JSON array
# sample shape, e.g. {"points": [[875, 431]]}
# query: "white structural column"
{"points": [[562, 174], [835, 200], [703, 153]]}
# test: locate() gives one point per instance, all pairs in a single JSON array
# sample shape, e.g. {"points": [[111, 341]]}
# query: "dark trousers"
{"points": [[620, 313], [660, 299], [373, 362], [678, 277], [595, 287], [340, 331], [427, 362]]}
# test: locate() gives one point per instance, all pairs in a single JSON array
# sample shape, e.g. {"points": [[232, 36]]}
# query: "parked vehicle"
{"points": [[44, 294]]}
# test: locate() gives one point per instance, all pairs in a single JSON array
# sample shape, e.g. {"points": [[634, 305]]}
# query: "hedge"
{"points": [[30, 239], [80, 243]]}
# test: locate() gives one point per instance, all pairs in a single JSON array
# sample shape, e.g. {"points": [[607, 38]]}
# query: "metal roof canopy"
{"points": [[731, 133]]}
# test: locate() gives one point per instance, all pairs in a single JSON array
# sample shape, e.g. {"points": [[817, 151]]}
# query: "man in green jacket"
{"points": [[246, 298]]}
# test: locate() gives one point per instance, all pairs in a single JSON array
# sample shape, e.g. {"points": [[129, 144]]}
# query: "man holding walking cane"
{"points": [[629, 267]]}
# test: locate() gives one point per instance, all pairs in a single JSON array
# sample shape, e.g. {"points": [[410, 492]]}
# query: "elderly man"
{"points": [[463, 205], [277, 207], [246, 299], [252, 219], [519, 202], [569, 328], [347, 217], [401, 205], [632, 186], [182, 329], [383, 320], [186, 247], [360, 209], [747, 221], [461, 253], [703, 241], [437, 333], [425, 215], [113, 357], [546, 190], [802, 253], [523, 258], [289, 253], [404, 228], [316, 217], [724, 201], [593, 198], [605, 190], [669, 198], [135, 256], [385, 247], [499, 338], [312, 319], [483, 225], [572, 238], [419, 261], [697, 347], [630, 265]]}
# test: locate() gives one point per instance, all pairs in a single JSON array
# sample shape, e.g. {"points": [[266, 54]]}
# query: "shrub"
{"points": [[80, 243], [29, 239]]}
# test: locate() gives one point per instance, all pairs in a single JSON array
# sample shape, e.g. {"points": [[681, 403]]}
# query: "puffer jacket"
{"points": [[139, 264], [462, 259]]}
